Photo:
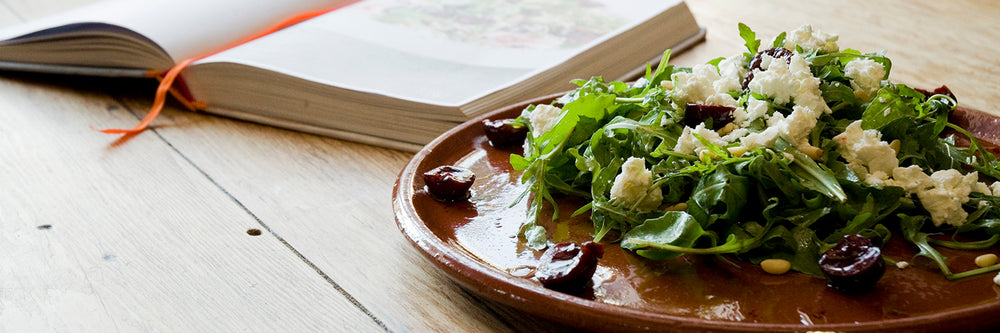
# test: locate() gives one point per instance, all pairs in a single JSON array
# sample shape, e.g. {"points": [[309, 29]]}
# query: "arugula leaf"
{"points": [[678, 229], [841, 99], [719, 195], [810, 174], [779, 41], [750, 37], [677, 232], [889, 104], [663, 71], [868, 206]]}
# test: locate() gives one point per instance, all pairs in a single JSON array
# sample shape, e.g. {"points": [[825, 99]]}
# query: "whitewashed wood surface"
{"points": [[150, 234]]}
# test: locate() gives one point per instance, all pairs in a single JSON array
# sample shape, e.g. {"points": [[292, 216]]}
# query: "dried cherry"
{"points": [[853, 266], [567, 267], [449, 183], [695, 114], [504, 133]]}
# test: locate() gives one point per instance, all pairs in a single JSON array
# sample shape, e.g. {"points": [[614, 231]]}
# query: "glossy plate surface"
{"points": [[474, 242]]}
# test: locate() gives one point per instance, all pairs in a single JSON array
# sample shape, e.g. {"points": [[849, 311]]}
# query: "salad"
{"points": [[778, 152]]}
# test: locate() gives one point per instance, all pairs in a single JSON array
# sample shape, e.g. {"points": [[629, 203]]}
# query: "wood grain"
{"points": [[149, 234], [335, 209]]}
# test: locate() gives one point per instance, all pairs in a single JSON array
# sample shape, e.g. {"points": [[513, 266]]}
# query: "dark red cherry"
{"points": [[449, 183], [502, 133], [695, 114], [568, 267], [853, 265]]}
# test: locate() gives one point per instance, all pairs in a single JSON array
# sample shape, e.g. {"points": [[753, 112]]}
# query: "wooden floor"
{"points": [[153, 233]]}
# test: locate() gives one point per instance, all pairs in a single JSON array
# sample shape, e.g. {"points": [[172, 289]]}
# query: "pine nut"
{"points": [[895, 145], [776, 266], [726, 129], [737, 151], [814, 153], [985, 260], [682, 206]]}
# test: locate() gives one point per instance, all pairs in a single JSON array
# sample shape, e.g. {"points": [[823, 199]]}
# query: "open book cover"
{"points": [[394, 73]]}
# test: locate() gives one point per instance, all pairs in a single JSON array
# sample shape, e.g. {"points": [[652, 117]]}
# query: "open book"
{"points": [[395, 73]]}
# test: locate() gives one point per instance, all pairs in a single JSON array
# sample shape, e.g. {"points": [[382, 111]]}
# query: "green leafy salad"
{"points": [[777, 152]]}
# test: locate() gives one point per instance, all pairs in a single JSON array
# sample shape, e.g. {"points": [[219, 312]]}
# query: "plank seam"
{"points": [[263, 225]]}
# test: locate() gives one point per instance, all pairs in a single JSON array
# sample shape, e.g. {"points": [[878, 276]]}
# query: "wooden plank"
{"points": [[132, 236]]}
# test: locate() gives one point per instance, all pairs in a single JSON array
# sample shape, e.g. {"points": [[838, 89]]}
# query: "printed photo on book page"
{"points": [[498, 33], [414, 49]]}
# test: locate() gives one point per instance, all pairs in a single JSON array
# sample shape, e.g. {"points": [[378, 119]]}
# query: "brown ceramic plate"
{"points": [[474, 243]]}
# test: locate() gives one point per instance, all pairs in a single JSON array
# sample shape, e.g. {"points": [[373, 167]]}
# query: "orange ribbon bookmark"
{"points": [[167, 80]]}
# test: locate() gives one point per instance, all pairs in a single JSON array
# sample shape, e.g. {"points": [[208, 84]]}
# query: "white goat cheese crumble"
{"points": [[790, 81], [543, 118], [755, 109], [912, 179], [695, 86], [709, 85], [866, 77], [809, 39], [687, 143], [632, 186], [732, 70], [944, 200], [941, 193], [870, 158], [764, 138], [796, 127]]}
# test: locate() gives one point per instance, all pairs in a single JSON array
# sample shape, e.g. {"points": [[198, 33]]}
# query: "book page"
{"points": [[184, 28], [440, 52]]}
